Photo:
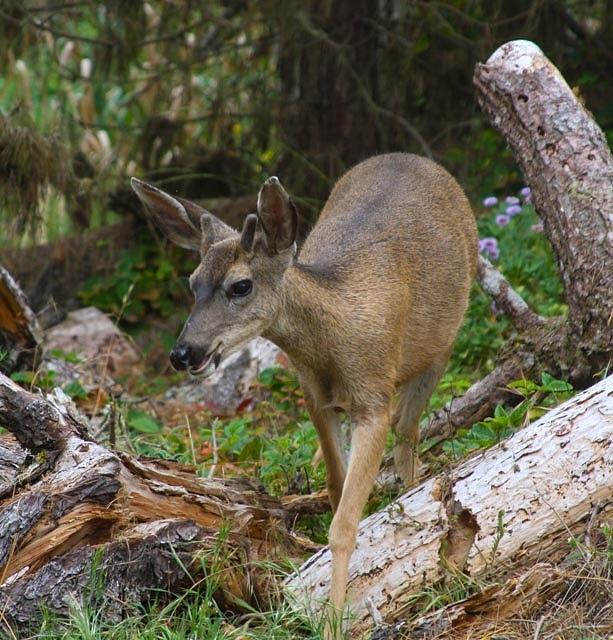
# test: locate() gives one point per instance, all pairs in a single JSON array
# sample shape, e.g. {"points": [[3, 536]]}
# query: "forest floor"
{"points": [[250, 419]]}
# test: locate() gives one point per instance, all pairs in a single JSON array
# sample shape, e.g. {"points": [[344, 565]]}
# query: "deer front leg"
{"points": [[367, 445]]}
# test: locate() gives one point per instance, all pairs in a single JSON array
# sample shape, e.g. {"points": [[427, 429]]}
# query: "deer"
{"points": [[367, 311]]}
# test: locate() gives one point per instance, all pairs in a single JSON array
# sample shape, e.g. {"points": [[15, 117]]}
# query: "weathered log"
{"points": [[85, 504], [516, 503], [482, 612], [566, 161]]}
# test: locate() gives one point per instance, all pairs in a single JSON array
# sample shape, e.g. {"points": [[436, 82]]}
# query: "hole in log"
{"points": [[540, 131], [463, 528], [523, 97]]}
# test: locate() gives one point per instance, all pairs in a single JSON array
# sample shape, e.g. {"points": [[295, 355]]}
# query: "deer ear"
{"points": [[248, 233], [277, 215], [170, 214], [183, 221]]}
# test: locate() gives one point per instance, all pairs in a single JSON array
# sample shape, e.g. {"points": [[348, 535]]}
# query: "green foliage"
{"points": [[75, 390], [537, 399], [142, 422], [43, 379], [275, 442], [526, 260], [67, 356], [194, 614], [145, 282]]}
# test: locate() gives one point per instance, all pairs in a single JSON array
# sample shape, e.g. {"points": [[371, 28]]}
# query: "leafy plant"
{"points": [[537, 400], [42, 379], [145, 281]]}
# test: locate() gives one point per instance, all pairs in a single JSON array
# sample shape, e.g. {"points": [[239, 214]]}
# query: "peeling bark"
{"points": [[542, 483], [479, 614], [18, 324]]}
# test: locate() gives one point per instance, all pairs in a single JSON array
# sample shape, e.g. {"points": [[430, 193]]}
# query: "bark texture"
{"points": [[70, 507], [567, 163], [515, 504], [20, 331]]}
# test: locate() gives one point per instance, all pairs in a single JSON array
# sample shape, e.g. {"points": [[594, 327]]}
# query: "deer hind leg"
{"points": [[367, 444], [327, 424], [413, 399]]}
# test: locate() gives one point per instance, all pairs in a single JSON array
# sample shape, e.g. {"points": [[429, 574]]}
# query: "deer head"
{"points": [[237, 284]]}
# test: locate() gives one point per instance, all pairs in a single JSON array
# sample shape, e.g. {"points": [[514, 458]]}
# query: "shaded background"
{"points": [[208, 98]]}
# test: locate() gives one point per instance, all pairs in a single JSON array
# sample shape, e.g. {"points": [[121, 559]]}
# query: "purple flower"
{"points": [[511, 200], [525, 193], [489, 247], [513, 210], [502, 219], [490, 201]]}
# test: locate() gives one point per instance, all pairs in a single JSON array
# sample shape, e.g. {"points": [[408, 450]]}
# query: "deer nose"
{"points": [[184, 355], [180, 356]]}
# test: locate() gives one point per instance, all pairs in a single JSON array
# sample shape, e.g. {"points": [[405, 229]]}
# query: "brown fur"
{"points": [[371, 307]]}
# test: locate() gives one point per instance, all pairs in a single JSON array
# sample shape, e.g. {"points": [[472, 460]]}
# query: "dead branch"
{"points": [[478, 402], [505, 297]]}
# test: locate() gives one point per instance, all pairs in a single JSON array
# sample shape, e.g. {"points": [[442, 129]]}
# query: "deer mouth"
{"points": [[208, 366]]}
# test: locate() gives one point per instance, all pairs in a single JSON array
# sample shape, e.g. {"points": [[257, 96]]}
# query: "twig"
{"points": [[191, 439], [374, 612], [539, 626], [215, 453]]}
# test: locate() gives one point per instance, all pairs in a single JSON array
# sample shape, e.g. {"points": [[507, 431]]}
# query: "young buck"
{"points": [[367, 312]]}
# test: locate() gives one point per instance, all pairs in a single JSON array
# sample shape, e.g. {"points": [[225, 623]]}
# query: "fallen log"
{"points": [[69, 506], [515, 504], [568, 165]]}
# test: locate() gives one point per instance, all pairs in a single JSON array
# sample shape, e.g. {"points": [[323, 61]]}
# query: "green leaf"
{"points": [[525, 387], [143, 422], [500, 411], [75, 390], [22, 376], [553, 385]]}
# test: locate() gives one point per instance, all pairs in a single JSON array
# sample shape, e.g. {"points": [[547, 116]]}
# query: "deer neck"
{"points": [[301, 327]]}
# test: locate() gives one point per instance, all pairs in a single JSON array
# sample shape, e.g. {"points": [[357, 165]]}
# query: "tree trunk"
{"points": [[567, 163], [69, 506], [328, 73], [517, 503]]}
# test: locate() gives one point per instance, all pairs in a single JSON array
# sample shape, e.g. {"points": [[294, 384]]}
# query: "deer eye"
{"points": [[241, 288]]}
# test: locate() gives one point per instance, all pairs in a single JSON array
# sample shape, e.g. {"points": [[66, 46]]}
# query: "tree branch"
{"points": [[505, 297]]}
